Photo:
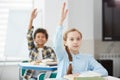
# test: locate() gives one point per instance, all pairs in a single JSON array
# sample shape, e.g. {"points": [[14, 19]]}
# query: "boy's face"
{"points": [[40, 39], [73, 41]]}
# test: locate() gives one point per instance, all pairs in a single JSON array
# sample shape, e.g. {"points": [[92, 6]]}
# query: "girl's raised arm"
{"points": [[58, 38], [63, 14]]}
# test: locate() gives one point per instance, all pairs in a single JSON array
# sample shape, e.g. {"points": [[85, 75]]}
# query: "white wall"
{"points": [[9, 72], [80, 16], [51, 17], [98, 19]]}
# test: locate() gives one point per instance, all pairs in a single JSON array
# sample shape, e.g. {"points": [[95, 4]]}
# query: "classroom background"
{"points": [[85, 15]]}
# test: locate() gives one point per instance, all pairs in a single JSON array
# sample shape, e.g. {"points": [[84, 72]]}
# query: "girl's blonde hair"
{"points": [[65, 38], [71, 30], [69, 71]]}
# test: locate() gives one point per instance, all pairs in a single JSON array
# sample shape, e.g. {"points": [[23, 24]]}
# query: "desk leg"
{"points": [[20, 74], [47, 74]]}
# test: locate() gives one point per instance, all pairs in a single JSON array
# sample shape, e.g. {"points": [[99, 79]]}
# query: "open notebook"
{"points": [[90, 75], [89, 78], [45, 62]]}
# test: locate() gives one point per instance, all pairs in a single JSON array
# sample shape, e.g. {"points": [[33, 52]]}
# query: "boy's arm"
{"points": [[30, 40], [30, 30], [33, 16]]}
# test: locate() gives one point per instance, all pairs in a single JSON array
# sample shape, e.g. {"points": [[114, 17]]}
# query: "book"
{"points": [[89, 75], [70, 77], [89, 78]]}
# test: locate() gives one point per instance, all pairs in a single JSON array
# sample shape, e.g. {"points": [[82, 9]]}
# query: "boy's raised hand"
{"points": [[34, 14], [63, 13]]}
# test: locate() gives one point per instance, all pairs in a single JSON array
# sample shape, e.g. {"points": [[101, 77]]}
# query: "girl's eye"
{"points": [[38, 36], [78, 39], [71, 39]]}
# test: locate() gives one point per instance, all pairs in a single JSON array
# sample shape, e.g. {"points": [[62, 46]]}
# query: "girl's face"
{"points": [[40, 39], [73, 41]]}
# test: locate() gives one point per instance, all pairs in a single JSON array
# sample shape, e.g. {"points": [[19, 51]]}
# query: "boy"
{"points": [[36, 47]]}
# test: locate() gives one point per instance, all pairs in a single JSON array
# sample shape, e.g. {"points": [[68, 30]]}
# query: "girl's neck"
{"points": [[74, 52]]}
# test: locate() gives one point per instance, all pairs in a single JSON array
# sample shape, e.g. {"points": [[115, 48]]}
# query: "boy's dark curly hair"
{"points": [[41, 30]]}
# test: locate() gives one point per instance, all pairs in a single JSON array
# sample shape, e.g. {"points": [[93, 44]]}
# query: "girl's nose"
{"points": [[75, 41]]}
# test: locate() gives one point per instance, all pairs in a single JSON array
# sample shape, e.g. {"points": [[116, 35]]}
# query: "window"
{"points": [[7, 6]]}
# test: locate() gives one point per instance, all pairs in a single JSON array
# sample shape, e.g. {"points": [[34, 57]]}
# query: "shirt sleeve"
{"points": [[58, 43], [97, 67], [30, 40], [52, 54]]}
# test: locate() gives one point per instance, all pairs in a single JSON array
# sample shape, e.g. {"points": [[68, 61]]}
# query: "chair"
{"points": [[108, 64]]}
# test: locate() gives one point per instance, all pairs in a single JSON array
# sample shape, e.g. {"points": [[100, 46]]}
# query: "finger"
{"points": [[34, 10], [64, 4], [63, 7], [66, 12], [36, 13]]}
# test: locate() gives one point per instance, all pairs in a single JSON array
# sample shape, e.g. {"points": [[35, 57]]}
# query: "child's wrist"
{"points": [[60, 23]]}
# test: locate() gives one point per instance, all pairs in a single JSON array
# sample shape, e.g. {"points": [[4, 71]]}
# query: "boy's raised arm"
{"points": [[33, 16]]}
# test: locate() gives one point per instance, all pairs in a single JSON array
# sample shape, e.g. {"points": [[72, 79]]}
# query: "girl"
{"points": [[70, 60]]}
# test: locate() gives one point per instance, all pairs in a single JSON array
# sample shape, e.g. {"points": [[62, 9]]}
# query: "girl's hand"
{"points": [[76, 74], [63, 14]]}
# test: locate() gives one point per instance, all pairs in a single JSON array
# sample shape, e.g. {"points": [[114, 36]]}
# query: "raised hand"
{"points": [[63, 13], [33, 16]]}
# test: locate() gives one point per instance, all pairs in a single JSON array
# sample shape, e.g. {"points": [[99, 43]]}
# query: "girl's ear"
{"points": [[65, 43]]}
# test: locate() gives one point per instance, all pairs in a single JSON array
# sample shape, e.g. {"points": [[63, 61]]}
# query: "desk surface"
{"points": [[37, 67], [106, 78], [111, 78]]}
